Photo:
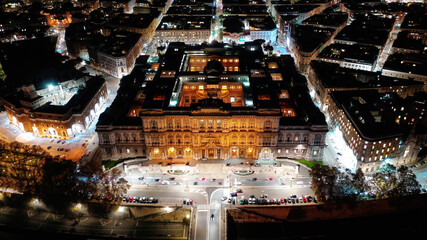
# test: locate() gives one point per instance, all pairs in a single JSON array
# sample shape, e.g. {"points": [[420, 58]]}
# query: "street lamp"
{"points": [[168, 209]]}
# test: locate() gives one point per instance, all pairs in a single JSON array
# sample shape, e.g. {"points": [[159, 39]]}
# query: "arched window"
{"points": [[169, 124], [153, 124], [242, 139], [280, 138], [318, 139], [105, 138], [187, 139], [268, 124], [234, 139], [305, 138], [251, 139], [297, 138]]}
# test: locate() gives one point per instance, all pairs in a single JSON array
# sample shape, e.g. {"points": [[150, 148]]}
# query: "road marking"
{"points": [[31, 213], [103, 223]]}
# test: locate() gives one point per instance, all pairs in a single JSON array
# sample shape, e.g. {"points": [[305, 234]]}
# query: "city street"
{"points": [[210, 192]]}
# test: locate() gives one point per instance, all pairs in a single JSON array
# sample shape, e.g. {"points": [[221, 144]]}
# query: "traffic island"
{"points": [[243, 172], [178, 172]]}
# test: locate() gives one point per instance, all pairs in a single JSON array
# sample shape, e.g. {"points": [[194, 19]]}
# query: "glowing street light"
{"points": [[168, 209]]}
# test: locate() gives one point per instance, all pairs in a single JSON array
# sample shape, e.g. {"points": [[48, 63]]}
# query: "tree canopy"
{"points": [[330, 185]]}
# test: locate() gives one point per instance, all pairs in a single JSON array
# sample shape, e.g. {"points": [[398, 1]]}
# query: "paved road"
{"points": [[207, 193], [202, 224]]}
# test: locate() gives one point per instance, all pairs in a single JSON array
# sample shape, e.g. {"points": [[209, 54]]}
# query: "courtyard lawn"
{"points": [[309, 164]]}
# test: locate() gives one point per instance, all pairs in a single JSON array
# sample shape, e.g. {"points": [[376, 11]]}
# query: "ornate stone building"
{"points": [[60, 111], [215, 101]]}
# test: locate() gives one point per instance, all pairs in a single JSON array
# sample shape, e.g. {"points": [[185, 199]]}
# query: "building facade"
{"points": [[32, 112], [215, 101], [117, 54]]}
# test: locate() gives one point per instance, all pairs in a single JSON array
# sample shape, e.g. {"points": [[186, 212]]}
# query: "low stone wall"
{"points": [[319, 212]]}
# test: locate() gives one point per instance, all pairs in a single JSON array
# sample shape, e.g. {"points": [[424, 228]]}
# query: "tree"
{"points": [[390, 181], [269, 49], [21, 166], [350, 185], [58, 179], [331, 185], [323, 181], [408, 184]]}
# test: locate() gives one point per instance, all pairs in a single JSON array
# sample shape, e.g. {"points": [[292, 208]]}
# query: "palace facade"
{"points": [[217, 101]]}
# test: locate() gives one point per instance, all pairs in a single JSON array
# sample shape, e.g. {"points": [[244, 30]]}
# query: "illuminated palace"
{"points": [[215, 101], [58, 111]]}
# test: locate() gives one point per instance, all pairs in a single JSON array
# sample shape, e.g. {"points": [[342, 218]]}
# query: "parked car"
{"points": [[252, 199], [263, 196], [188, 202], [314, 200]]}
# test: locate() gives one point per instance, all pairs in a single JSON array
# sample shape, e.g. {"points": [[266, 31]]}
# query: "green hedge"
{"points": [[109, 164]]}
